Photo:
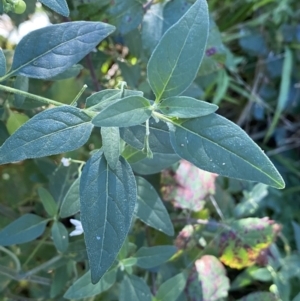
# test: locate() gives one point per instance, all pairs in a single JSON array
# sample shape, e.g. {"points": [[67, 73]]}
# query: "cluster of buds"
{"points": [[15, 6]]}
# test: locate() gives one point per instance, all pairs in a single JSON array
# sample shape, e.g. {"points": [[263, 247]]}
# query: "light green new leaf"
{"points": [[148, 258], [150, 208], [47, 201], [172, 288], [186, 107], [2, 62], [15, 121], [60, 236], [134, 288], [175, 61], [83, 287], [107, 201], [217, 145], [133, 155], [24, 229], [128, 111], [50, 132], [71, 204], [111, 145]]}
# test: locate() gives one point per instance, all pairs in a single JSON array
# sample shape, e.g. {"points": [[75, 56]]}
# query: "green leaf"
{"points": [[128, 111], [98, 101], [126, 15], [285, 86], [59, 281], [217, 145], [297, 298], [134, 288], [150, 208], [49, 51], [175, 61], [2, 62], [259, 296], [148, 258], [71, 72], [159, 162], [53, 131], [21, 83], [59, 6], [60, 236], [111, 145], [296, 228], [24, 229], [71, 203], [61, 180], [172, 288], [159, 140], [152, 28], [107, 201], [186, 107], [83, 287], [47, 201], [208, 280], [15, 121]]}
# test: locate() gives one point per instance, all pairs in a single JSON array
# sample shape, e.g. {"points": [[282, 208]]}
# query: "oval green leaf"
{"points": [[83, 287], [172, 288], [24, 229], [217, 145], [60, 236], [51, 132], [175, 61], [59, 6], [150, 208], [107, 201], [128, 111], [47, 201], [71, 203], [186, 107], [148, 258], [134, 288], [49, 51]]}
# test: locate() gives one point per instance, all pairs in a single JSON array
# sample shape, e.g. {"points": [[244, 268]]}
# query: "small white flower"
{"points": [[78, 227], [65, 162]]}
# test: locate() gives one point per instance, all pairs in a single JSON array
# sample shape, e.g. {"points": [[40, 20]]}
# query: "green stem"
{"points": [[32, 96], [78, 95], [43, 266], [32, 254], [13, 257]]}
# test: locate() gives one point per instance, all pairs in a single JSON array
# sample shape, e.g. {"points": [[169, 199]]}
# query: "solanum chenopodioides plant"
{"points": [[132, 128]]}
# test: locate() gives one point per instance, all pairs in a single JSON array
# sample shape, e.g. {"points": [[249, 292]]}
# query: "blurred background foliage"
{"points": [[250, 70]]}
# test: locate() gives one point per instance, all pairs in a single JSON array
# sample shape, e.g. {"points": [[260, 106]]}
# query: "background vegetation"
{"points": [[251, 70]]}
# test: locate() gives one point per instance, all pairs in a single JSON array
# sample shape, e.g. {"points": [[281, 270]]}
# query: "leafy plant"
{"points": [[134, 130]]}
